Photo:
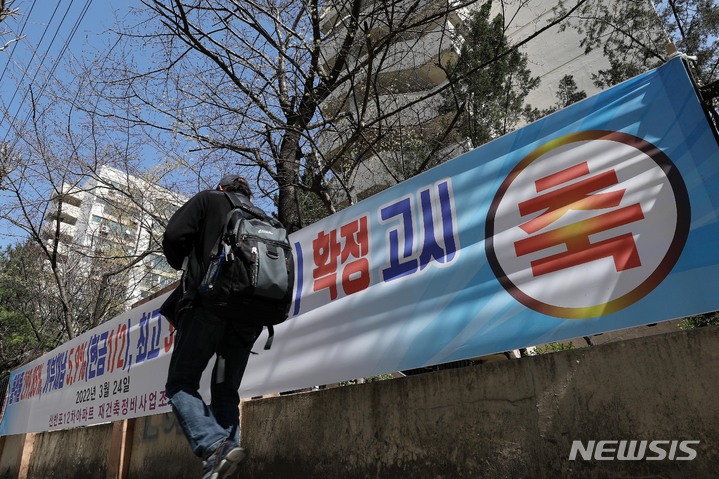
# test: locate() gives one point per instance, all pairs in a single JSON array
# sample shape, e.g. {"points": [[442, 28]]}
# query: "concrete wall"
{"points": [[159, 450], [10, 452], [509, 419], [514, 418], [148, 447], [79, 453]]}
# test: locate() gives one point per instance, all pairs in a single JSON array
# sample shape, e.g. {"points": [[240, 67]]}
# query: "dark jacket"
{"points": [[193, 230]]}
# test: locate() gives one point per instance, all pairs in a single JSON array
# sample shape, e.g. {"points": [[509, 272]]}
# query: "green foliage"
{"points": [[32, 314], [692, 322], [311, 208], [412, 152], [693, 25], [370, 379], [567, 94], [633, 35], [19, 340], [492, 80], [553, 348]]}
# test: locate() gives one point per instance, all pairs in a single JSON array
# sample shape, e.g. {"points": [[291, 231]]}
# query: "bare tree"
{"points": [[299, 92], [6, 11], [55, 159]]}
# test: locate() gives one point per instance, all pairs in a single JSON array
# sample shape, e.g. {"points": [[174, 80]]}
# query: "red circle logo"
{"points": [[587, 224]]}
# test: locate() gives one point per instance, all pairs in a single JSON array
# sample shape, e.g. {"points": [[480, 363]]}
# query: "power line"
{"points": [[25, 70], [12, 50], [33, 54], [85, 8], [42, 62]]}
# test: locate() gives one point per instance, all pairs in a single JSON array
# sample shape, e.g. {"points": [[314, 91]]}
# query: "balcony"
{"points": [[65, 218]]}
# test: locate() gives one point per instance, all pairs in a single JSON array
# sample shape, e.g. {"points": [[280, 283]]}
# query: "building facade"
{"points": [[414, 67], [114, 216]]}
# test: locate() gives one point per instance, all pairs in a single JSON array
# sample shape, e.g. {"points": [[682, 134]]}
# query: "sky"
{"points": [[50, 35]]}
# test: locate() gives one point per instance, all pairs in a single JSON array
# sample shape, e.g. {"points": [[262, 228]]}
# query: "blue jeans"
{"points": [[200, 335]]}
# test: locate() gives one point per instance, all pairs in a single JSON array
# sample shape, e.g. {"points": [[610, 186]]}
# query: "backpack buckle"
{"points": [[229, 255]]}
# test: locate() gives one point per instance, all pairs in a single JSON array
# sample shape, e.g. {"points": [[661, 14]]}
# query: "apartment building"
{"points": [[112, 214], [414, 66]]}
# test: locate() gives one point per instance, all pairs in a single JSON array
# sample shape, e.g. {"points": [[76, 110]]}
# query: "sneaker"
{"points": [[223, 462]]}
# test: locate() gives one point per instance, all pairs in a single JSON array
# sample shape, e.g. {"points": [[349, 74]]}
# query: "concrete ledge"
{"points": [[509, 419]]}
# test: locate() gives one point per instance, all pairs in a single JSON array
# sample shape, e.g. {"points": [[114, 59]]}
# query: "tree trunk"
{"points": [[288, 167]]}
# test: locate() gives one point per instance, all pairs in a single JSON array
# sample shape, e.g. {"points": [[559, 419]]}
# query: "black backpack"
{"points": [[251, 271]]}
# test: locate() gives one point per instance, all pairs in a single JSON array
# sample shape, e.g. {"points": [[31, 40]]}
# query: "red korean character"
{"points": [[355, 274], [580, 195], [325, 250]]}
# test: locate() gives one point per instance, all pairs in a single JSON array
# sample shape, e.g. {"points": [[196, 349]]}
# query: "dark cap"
{"points": [[229, 179], [235, 183]]}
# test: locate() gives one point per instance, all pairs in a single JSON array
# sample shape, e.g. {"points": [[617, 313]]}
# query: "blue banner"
{"points": [[602, 216], [599, 217]]}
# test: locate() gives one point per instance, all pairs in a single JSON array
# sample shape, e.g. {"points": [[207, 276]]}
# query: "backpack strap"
{"points": [[250, 209], [219, 247], [270, 337]]}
